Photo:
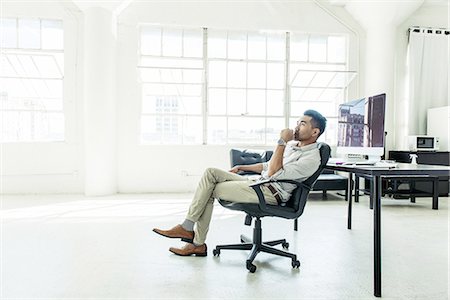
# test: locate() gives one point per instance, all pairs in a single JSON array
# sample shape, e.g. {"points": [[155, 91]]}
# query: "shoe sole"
{"points": [[195, 254], [175, 237]]}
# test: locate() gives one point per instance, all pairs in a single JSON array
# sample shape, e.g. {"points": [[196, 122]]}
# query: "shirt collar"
{"points": [[304, 148]]}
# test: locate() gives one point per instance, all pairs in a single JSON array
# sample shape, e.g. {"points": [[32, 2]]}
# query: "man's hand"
{"points": [[287, 134], [235, 169], [256, 168]]}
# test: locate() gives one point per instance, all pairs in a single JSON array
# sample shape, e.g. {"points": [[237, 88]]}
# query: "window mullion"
{"points": [[226, 93], [265, 98], [205, 87], [287, 90], [246, 75]]}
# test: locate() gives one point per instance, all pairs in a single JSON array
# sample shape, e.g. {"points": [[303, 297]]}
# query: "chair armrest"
{"points": [[260, 182], [262, 201]]}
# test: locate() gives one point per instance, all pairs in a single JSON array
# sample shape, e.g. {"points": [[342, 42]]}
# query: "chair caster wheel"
{"points": [[216, 252], [251, 267], [296, 264], [285, 245]]}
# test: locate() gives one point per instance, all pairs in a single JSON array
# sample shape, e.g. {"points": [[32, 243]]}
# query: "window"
{"points": [[318, 78], [226, 87], [31, 80], [246, 87], [171, 74]]}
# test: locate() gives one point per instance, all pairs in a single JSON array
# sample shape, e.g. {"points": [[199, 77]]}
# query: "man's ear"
{"points": [[316, 131]]}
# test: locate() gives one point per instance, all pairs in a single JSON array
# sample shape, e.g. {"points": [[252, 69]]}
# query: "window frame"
{"points": [[35, 111], [286, 90], [163, 57]]}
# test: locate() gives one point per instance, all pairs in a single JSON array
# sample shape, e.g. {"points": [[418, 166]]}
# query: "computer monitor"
{"points": [[361, 127]]}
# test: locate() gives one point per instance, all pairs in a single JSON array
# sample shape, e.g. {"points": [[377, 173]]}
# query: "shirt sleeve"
{"points": [[300, 169]]}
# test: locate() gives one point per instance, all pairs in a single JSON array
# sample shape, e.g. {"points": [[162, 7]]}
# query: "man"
{"points": [[295, 157]]}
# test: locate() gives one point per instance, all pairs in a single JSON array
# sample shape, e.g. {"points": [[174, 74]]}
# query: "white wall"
{"points": [[50, 167], [429, 15]]}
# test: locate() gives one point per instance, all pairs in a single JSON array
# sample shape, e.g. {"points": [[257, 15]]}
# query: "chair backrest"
{"points": [[300, 194], [249, 157]]}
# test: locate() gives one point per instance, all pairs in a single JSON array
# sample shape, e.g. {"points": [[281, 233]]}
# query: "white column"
{"points": [[99, 103], [380, 73], [380, 19]]}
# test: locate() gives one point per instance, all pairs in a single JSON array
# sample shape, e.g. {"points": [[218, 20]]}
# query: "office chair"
{"points": [[326, 181], [292, 209]]}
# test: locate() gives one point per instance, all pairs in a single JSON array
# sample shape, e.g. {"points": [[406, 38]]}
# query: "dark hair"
{"points": [[317, 120]]}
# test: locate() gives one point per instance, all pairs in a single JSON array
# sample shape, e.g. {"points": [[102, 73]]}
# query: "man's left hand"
{"points": [[287, 134], [234, 169]]}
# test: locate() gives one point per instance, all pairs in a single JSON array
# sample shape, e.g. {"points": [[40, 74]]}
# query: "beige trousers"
{"points": [[216, 183]]}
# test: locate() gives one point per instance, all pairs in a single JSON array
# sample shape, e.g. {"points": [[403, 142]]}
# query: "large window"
{"points": [[225, 87], [171, 72], [31, 80], [318, 78], [246, 85]]}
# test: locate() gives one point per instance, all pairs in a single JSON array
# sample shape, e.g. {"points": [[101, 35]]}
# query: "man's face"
{"points": [[304, 129]]}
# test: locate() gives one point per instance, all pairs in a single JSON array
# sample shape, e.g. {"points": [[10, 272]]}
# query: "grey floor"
{"points": [[75, 247]]}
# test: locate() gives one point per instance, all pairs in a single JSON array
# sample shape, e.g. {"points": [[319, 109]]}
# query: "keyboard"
{"points": [[376, 164], [341, 161], [384, 164], [360, 163]]}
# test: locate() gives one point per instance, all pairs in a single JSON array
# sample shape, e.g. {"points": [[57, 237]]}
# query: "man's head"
{"points": [[310, 126]]}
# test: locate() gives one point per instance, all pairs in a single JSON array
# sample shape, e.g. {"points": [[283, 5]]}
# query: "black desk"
{"points": [[375, 174]]}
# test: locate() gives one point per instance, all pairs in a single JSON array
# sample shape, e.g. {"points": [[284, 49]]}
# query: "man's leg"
{"points": [[201, 206], [203, 194], [234, 191]]}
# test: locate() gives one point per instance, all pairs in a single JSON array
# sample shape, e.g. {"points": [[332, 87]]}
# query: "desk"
{"points": [[375, 174]]}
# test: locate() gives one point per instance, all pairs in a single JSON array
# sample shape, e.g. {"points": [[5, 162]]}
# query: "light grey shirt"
{"points": [[299, 163]]}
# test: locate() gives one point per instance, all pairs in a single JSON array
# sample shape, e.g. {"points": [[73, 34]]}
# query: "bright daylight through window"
{"points": [[31, 80], [226, 87]]}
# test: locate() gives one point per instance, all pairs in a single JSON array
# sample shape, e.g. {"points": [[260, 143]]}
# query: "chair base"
{"points": [[257, 246]]}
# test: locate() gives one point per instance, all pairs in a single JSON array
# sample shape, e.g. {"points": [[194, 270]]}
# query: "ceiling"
{"points": [[117, 6]]}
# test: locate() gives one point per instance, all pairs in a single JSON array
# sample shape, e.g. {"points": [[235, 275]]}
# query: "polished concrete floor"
{"points": [[77, 247]]}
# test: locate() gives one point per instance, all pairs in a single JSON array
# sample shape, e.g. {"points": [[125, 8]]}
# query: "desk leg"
{"points": [[435, 192], [376, 185], [349, 200]]}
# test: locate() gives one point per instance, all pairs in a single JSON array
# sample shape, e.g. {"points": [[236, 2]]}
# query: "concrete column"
{"points": [[380, 20], [99, 102]]}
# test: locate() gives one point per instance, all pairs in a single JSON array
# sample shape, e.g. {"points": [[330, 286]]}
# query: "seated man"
{"points": [[295, 157]]}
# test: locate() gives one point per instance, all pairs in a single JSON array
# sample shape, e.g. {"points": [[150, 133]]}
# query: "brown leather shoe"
{"points": [[177, 232], [190, 249]]}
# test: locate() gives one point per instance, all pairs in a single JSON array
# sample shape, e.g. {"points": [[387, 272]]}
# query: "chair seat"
{"points": [[253, 209]]}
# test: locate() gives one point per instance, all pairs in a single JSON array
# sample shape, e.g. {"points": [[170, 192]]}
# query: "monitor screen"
{"points": [[361, 126]]}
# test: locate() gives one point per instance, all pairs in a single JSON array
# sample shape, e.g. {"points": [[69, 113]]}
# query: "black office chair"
{"points": [[291, 210], [326, 181]]}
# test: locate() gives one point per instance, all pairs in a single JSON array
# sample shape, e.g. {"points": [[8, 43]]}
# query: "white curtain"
{"points": [[428, 75]]}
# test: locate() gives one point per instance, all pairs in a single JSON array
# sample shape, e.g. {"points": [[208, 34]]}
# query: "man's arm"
{"points": [[276, 162], [257, 168]]}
